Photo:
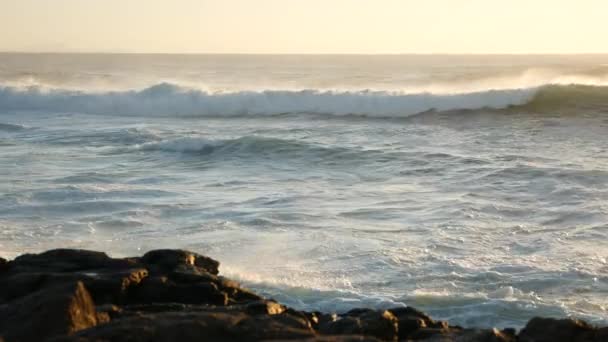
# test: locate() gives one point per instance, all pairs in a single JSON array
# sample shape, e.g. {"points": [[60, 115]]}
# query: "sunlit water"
{"points": [[474, 188]]}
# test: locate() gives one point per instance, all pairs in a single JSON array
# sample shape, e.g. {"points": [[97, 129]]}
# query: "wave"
{"points": [[248, 145], [5, 127], [171, 100]]}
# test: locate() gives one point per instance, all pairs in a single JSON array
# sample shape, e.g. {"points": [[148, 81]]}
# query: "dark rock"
{"points": [[201, 326], [411, 320], [170, 295], [380, 324], [163, 290], [106, 286], [3, 265], [113, 287], [108, 312], [548, 329], [159, 307], [262, 307], [169, 259], [310, 317], [265, 307], [19, 285], [62, 260], [193, 274], [479, 335], [53, 311], [343, 338]]}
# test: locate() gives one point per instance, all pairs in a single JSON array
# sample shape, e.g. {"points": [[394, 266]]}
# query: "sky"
{"points": [[305, 26]]}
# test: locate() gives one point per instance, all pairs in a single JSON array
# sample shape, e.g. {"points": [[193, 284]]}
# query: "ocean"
{"points": [[474, 188]]}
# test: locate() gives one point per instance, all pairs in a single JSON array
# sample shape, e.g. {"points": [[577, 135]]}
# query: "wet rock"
{"points": [[201, 326], [548, 329], [53, 311], [169, 259], [380, 324]]}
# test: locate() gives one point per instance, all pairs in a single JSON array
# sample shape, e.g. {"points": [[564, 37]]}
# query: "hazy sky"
{"points": [[305, 26]]}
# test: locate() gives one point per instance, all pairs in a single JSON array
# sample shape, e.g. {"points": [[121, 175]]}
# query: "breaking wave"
{"points": [[167, 99]]}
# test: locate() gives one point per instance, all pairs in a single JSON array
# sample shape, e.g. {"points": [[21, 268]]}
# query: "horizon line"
{"points": [[307, 53]]}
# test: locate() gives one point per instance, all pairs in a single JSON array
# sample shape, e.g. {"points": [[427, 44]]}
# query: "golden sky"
{"points": [[305, 26]]}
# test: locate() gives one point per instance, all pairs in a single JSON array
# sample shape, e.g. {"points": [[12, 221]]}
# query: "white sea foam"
{"points": [[171, 100], [168, 99]]}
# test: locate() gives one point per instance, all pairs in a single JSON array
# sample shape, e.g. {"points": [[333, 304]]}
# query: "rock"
{"points": [[265, 307], [53, 311], [3, 265], [344, 338], [380, 324], [105, 286], [549, 329], [62, 260], [412, 320], [202, 326], [169, 259], [170, 295], [479, 335], [113, 287], [193, 274], [164, 290]]}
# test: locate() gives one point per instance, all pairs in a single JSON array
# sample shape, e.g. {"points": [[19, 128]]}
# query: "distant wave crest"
{"points": [[167, 99]]}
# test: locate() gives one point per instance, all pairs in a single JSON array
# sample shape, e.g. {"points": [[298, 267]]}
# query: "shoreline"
{"points": [[170, 295]]}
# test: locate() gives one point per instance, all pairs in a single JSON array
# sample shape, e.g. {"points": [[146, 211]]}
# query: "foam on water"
{"points": [[171, 100], [488, 213]]}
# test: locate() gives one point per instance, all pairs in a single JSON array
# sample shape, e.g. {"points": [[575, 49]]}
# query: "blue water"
{"points": [[474, 188]]}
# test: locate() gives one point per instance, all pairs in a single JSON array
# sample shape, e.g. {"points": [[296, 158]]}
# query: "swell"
{"points": [[5, 127], [254, 146], [171, 100]]}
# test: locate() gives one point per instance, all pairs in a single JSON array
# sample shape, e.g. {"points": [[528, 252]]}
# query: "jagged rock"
{"points": [[53, 311], [202, 326], [113, 287], [548, 329], [169, 259], [380, 324], [412, 320], [193, 274], [105, 286]]}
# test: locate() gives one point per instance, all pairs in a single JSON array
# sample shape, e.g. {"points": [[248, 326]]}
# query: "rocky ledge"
{"points": [[176, 295]]}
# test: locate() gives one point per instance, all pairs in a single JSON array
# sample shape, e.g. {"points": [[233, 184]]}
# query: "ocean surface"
{"points": [[472, 187]]}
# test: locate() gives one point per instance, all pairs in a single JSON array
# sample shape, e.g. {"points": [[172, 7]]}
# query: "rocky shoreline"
{"points": [[176, 295]]}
